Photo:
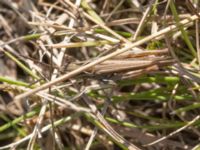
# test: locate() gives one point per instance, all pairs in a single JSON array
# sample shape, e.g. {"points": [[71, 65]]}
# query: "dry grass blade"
{"points": [[107, 128], [142, 22], [175, 132]]}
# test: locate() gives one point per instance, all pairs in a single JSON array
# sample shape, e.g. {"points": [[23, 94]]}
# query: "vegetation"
{"points": [[110, 74]]}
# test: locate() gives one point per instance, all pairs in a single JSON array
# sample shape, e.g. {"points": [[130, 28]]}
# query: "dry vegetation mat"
{"points": [[109, 74]]}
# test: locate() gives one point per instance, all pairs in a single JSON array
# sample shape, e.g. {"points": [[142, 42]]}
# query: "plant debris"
{"points": [[86, 74]]}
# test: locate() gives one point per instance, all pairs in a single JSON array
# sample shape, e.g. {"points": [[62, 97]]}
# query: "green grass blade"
{"points": [[183, 32], [20, 64]]}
